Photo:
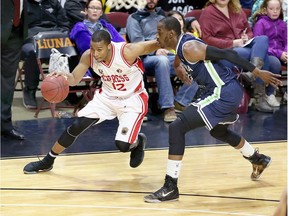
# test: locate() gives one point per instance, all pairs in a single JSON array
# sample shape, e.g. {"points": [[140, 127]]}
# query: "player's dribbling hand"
{"points": [[58, 74]]}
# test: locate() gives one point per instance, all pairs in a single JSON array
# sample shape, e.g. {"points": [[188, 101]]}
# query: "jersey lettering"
{"points": [[115, 78]]}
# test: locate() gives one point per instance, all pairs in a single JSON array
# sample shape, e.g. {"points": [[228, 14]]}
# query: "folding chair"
{"points": [[43, 43]]}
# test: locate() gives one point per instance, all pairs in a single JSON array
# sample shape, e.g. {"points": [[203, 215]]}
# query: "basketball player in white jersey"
{"points": [[122, 95]]}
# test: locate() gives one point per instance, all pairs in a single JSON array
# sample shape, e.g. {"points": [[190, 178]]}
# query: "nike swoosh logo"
{"points": [[166, 194]]}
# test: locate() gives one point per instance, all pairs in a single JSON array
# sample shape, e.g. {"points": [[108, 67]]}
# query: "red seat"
{"points": [[118, 18], [194, 13]]}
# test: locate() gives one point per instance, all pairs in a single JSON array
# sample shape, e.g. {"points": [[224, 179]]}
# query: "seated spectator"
{"points": [[141, 26], [228, 28], [75, 11], [186, 23], [257, 5], [82, 31], [47, 15], [269, 21]]}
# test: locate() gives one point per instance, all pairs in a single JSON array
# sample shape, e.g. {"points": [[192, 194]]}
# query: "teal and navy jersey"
{"points": [[205, 73], [222, 92]]}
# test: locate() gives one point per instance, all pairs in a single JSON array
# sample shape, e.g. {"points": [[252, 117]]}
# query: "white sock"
{"points": [[247, 150], [173, 168]]}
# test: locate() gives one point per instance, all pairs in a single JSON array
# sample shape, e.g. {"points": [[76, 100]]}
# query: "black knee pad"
{"points": [[122, 146], [221, 132], [72, 132]]}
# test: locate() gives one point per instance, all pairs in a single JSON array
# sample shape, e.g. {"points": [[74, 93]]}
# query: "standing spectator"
{"points": [[82, 31], [228, 28], [142, 26], [13, 33], [47, 15]]}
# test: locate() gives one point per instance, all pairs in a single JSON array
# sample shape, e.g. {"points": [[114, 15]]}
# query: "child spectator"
{"points": [[268, 20]]}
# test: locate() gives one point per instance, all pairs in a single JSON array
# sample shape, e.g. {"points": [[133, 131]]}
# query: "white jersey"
{"points": [[119, 78]]}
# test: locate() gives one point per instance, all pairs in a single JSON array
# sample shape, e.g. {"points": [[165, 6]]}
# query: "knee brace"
{"points": [[221, 132], [122, 146], [72, 132]]}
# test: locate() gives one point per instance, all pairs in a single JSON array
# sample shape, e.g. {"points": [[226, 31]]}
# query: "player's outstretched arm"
{"points": [[195, 51], [134, 50]]}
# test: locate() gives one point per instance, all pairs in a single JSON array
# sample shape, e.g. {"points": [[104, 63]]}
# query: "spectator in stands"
{"points": [[228, 28], [186, 23], [142, 26], [45, 15], [75, 11], [180, 17], [82, 31], [269, 21], [257, 5]]}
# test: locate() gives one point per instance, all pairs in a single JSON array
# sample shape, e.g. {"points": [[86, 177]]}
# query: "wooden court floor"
{"points": [[215, 180]]}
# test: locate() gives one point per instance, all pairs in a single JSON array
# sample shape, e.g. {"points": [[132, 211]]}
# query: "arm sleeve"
{"points": [[213, 53]]}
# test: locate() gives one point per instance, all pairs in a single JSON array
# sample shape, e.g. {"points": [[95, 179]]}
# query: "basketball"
{"points": [[54, 89]]}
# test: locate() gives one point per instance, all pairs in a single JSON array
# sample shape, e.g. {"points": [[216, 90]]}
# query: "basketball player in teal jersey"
{"points": [[216, 109]]}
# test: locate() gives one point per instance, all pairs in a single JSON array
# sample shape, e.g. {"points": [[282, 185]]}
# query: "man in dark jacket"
{"points": [[13, 33], [75, 11], [43, 15]]}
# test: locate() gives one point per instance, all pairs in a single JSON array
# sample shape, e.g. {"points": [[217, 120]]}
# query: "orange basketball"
{"points": [[54, 89]]}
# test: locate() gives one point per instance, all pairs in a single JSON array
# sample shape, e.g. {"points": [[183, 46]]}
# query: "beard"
{"points": [[150, 6]]}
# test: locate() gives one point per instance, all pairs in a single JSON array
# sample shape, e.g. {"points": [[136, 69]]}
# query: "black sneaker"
{"points": [[259, 163], [29, 98], [38, 166], [169, 192], [137, 154]]}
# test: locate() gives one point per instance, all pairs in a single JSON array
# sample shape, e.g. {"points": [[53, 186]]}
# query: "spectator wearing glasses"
{"points": [[82, 31]]}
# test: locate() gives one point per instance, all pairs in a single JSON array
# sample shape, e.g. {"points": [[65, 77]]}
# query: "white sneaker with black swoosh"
{"points": [[169, 192]]}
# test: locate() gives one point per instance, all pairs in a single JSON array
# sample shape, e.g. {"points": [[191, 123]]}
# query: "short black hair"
{"points": [[171, 23], [101, 35]]}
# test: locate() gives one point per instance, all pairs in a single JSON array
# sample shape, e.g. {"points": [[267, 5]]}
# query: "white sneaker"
{"points": [[272, 101]]}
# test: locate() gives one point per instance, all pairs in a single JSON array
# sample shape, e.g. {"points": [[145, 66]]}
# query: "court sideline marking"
{"points": [[130, 208]]}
